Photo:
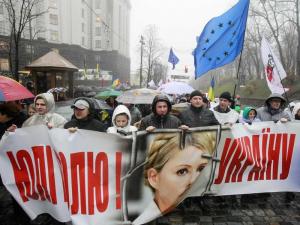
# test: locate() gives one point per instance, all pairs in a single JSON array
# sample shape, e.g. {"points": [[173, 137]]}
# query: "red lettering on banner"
{"points": [[259, 153], [78, 173], [64, 171], [89, 178], [39, 183], [51, 175], [256, 158], [118, 179], [226, 155], [249, 158], [235, 164], [98, 182], [41, 176], [264, 148], [287, 153], [24, 174], [273, 156]]}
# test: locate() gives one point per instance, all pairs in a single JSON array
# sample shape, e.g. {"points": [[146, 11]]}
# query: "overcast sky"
{"points": [[178, 23]]}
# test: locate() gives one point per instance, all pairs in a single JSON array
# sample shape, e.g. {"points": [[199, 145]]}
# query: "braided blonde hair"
{"points": [[166, 145]]}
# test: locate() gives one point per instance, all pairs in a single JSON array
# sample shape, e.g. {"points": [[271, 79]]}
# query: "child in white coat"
{"points": [[121, 120]]}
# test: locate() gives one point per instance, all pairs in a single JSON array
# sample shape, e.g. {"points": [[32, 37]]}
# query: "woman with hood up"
{"points": [[121, 120], [45, 105]]}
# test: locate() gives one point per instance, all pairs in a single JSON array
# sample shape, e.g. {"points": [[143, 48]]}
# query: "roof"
{"points": [[52, 60]]}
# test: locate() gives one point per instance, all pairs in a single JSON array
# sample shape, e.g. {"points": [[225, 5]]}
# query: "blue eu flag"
{"points": [[173, 58], [222, 39]]}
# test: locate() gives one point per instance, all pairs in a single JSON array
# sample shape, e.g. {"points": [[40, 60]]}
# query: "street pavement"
{"points": [[255, 209]]}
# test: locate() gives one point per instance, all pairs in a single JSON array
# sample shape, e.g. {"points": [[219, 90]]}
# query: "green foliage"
{"points": [[252, 89]]}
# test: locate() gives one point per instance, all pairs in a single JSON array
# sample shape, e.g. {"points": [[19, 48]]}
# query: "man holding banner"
{"points": [[197, 115], [160, 116], [274, 109]]}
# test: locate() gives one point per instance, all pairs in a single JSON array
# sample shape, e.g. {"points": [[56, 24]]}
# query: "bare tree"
{"points": [[159, 71], [20, 14], [252, 49], [269, 11], [153, 50], [292, 33], [280, 23]]}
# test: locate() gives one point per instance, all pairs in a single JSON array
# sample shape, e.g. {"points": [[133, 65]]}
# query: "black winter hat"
{"points": [[196, 93], [226, 95]]}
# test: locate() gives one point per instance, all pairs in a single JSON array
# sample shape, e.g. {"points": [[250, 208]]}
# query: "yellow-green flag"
{"points": [[211, 91], [97, 68]]}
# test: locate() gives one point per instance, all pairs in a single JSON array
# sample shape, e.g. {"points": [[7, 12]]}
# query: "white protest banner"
{"points": [[259, 158], [95, 178]]}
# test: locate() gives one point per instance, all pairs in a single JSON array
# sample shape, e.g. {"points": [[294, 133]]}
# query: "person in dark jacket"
{"points": [[84, 117], [160, 117], [197, 115], [10, 116], [135, 113]]}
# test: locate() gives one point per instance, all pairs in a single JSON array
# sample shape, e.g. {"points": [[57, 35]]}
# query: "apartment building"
{"points": [[86, 32]]}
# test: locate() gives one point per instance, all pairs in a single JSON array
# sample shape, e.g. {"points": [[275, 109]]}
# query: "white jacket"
{"points": [[50, 117], [114, 130], [230, 117]]}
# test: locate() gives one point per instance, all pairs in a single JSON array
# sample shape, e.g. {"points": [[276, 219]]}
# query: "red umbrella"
{"points": [[11, 90]]}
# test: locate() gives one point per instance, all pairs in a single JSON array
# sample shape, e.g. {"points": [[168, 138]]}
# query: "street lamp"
{"points": [[141, 68]]}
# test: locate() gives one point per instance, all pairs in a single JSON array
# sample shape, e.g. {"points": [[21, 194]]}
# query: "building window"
{"points": [[53, 4], [82, 13], [4, 45], [82, 41], [53, 35], [98, 31], [29, 48], [97, 58], [98, 43], [97, 4], [53, 19], [98, 18], [82, 27]]}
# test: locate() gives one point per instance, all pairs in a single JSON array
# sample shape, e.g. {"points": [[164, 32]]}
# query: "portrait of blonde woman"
{"points": [[170, 171]]}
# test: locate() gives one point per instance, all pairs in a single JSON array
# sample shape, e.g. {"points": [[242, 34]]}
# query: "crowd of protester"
{"points": [[126, 118], [198, 112]]}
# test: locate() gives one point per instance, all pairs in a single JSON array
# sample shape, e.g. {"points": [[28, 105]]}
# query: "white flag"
{"points": [[273, 69]]}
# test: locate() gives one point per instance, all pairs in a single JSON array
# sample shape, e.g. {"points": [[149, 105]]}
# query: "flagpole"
{"points": [[240, 60], [237, 77], [285, 94]]}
